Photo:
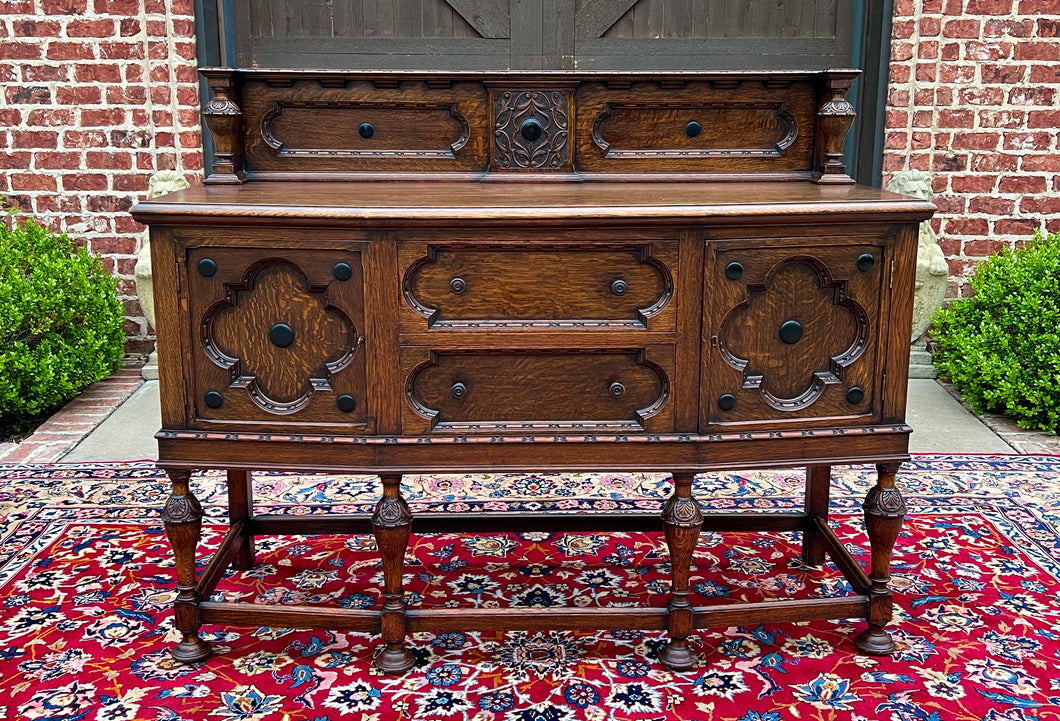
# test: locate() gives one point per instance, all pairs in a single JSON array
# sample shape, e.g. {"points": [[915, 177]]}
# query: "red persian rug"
{"points": [[86, 580]]}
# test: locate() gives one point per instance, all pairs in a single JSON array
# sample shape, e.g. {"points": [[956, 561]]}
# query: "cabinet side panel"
{"points": [[170, 307], [903, 279]]}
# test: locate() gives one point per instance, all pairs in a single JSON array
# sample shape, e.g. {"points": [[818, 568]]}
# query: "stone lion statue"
{"points": [[162, 182], [932, 271]]}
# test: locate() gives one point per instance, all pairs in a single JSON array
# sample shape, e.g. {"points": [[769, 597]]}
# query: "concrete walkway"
{"points": [[940, 425]]}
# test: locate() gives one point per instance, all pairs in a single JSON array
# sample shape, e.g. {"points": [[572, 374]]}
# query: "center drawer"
{"points": [[548, 390], [612, 285]]}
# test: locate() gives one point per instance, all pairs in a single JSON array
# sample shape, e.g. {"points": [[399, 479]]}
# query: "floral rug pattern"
{"points": [[86, 583]]}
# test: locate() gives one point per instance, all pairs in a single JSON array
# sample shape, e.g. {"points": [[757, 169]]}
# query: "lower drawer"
{"points": [[485, 390]]}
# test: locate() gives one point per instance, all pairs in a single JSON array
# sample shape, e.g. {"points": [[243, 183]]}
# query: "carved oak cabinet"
{"points": [[395, 273]]}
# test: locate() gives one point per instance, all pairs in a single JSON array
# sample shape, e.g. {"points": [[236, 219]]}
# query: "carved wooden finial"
{"points": [[225, 120], [834, 118]]}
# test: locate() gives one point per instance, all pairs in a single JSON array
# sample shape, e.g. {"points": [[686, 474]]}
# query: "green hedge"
{"points": [[61, 324], [1001, 347]]}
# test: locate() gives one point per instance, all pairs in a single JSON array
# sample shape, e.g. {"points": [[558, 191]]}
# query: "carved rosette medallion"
{"points": [[683, 512], [531, 130], [884, 503]]}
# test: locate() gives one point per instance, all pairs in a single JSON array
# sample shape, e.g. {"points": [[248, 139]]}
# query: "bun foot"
{"points": [[875, 643], [191, 651], [395, 660], [677, 656]]}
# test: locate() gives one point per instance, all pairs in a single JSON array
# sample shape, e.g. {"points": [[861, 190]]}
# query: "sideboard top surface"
{"points": [[447, 202]]}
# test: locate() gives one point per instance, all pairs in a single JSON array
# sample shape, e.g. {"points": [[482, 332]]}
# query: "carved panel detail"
{"points": [[531, 129], [792, 374], [279, 377]]}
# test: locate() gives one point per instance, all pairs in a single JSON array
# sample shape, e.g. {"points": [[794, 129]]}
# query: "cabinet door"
{"points": [[792, 334], [276, 337]]}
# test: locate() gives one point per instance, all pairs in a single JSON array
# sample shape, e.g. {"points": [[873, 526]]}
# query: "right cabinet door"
{"points": [[792, 332]]}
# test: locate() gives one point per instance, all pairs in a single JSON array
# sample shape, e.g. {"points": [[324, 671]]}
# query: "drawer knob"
{"points": [[693, 129], [727, 402], [790, 331], [458, 391], [855, 395], [207, 267], [865, 262], [617, 390], [342, 271], [366, 130], [346, 403], [619, 287], [457, 285], [734, 271], [213, 399], [531, 130], [281, 335]]}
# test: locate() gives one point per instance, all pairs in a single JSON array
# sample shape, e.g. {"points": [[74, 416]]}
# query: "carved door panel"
{"points": [[793, 334], [276, 337]]}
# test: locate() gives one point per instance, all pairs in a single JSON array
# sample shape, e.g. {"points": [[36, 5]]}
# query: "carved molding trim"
{"points": [[269, 136], [777, 150], [549, 109]]}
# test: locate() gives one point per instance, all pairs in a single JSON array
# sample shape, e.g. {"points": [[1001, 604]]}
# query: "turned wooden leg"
{"points": [[682, 520], [818, 484], [241, 509], [392, 522], [182, 516], [884, 512]]}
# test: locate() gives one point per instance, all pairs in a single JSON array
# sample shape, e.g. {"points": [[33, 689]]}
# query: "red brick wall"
{"points": [[97, 95], [974, 99]]}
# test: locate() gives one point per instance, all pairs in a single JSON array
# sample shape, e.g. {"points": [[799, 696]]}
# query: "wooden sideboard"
{"points": [[395, 273]]}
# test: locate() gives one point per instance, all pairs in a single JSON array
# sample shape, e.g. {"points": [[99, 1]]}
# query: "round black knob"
{"points": [[619, 287], [734, 271], [855, 395], [727, 402], [346, 403], [459, 390], [865, 262], [365, 130], [790, 331], [213, 399], [616, 389], [457, 285], [531, 130], [281, 335], [342, 271], [207, 267], [693, 129]]}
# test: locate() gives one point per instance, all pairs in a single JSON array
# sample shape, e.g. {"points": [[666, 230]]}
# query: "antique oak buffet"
{"points": [[400, 272]]}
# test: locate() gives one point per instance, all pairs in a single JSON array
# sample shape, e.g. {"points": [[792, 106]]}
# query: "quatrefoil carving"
{"points": [[236, 336], [835, 332]]}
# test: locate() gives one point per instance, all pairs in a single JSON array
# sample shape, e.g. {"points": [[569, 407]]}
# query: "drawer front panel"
{"points": [[617, 286], [276, 336], [518, 391], [793, 334]]}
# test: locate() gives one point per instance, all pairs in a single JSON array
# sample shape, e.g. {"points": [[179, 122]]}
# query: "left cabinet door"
{"points": [[276, 338]]}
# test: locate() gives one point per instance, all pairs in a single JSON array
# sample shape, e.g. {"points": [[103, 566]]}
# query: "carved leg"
{"points": [[884, 512], [182, 516], [818, 482], [392, 522], [241, 508], [682, 520]]}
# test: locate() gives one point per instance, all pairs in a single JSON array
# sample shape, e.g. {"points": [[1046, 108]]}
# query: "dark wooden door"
{"points": [[544, 34]]}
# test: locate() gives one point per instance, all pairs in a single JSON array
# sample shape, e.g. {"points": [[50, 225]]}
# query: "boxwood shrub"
{"points": [[1001, 347], [61, 324]]}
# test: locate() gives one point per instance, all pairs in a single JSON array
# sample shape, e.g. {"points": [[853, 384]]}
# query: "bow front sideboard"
{"points": [[400, 272]]}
